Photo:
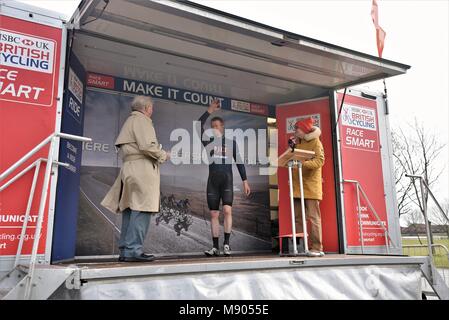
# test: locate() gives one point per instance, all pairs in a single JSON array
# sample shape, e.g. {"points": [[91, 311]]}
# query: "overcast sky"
{"points": [[417, 34]]}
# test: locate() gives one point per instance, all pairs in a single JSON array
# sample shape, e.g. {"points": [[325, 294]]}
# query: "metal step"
{"points": [[45, 281], [11, 280], [435, 280], [430, 295]]}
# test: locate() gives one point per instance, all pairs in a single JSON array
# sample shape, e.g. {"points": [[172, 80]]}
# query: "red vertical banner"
{"points": [[361, 161], [286, 116], [29, 76]]}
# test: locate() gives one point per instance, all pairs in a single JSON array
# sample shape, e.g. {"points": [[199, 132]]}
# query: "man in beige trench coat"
{"points": [[136, 191]]}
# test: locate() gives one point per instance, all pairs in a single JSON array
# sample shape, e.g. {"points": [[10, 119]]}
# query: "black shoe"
{"points": [[121, 259], [144, 257]]}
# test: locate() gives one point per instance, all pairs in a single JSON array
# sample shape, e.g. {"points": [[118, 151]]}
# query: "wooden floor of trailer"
{"points": [[174, 260], [246, 262]]}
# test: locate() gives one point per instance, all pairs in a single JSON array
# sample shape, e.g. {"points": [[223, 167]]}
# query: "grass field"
{"points": [[440, 255]]}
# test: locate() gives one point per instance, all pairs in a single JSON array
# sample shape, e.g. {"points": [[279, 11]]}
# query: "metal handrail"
{"points": [[424, 245], [411, 176], [33, 151], [423, 184], [438, 245], [52, 139], [359, 189], [36, 164], [21, 173]]}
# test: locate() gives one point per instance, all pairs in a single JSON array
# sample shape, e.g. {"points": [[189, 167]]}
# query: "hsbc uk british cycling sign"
{"points": [[359, 128], [27, 68]]}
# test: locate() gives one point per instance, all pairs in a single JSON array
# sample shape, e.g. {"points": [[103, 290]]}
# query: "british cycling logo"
{"points": [[359, 117], [26, 52]]}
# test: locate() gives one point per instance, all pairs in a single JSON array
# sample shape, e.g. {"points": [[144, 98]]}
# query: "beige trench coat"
{"points": [[138, 184]]}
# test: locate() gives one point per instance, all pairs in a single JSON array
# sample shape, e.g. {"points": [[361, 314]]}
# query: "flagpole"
{"points": [[387, 111]]}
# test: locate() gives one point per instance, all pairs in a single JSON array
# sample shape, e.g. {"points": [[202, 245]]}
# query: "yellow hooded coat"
{"points": [[311, 169]]}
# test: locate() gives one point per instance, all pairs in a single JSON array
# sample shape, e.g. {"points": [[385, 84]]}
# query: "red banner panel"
{"points": [[361, 161], [286, 116], [29, 76]]}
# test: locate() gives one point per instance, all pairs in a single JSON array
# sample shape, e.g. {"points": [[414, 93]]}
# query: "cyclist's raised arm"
{"points": [[214, 105], [203, 119]]}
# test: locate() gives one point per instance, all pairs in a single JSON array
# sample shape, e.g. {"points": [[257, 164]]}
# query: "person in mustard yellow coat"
{"points": [[136, 191], [307, 137]]}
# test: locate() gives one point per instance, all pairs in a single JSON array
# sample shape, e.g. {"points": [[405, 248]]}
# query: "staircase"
{"points": [[24, 282]]}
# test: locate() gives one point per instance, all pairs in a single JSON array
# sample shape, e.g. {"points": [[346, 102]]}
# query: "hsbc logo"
{"points": [[28, 42], [42, 45], [7, 37]]}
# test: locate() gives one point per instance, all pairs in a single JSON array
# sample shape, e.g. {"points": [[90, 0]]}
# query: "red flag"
{"points": [[380, 33]]}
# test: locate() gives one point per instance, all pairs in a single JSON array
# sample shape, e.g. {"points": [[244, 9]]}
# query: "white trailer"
{"points": [[121, 48]]}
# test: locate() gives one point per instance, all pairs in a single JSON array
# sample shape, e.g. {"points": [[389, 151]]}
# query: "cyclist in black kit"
{"points": [[220, 184]]}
